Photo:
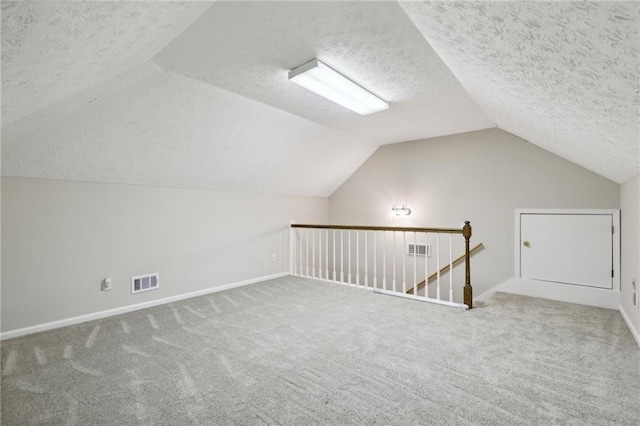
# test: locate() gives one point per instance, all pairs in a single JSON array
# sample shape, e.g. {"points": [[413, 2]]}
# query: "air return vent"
{"points": [[419, 249], [145, 283]]}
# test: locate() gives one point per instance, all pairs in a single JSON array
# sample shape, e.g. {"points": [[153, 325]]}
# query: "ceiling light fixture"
{"points": [[329, 83]]}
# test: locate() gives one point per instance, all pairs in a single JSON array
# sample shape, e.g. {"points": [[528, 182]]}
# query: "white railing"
{"points": [[378, 258]]}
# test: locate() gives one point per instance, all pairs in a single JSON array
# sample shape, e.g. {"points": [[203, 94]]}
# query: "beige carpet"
{"points": [[295, 351]]}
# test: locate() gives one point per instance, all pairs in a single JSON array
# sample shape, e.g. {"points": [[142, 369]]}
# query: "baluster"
{"points": [[357, 258], [426, 265], [404, 262], [334, 255], [349, 254], [341, 256], [384, 260], [320, 254], [375, 262], [294, 250], [394, 261], [326, 253], [366, 263], [313, 253], [415, 267], [450, 269], [307, 261], [300, 257], [438, 266]]}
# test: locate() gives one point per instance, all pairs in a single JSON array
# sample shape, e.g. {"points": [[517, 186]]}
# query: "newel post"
{"points": [[468, 290]]}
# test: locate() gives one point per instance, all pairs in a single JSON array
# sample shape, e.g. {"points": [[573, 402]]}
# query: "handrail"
{"points": [[382, 228], [445, 268]]}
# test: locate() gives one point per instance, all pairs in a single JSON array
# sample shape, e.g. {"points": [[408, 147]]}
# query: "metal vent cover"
{"points": [[145, 283], [422, 249]]}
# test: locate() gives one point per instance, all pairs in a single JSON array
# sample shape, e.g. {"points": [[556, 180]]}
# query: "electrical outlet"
{"points": [[106, 284], [635, 294], [273, 258]]}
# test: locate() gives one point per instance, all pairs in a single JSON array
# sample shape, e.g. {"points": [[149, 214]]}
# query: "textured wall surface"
{"points": [[563, 75]]}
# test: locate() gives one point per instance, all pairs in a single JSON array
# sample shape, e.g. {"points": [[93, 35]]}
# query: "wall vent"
{"points": [[419, 249], [145, 283]]}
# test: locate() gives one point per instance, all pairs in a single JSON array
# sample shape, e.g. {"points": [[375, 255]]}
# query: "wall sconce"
{"points": [[401, 211]]}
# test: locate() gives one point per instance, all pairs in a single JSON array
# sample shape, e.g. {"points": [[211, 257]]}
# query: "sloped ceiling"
{"points": [[53, 49], [562, 75], [195, 94], [251, 46]]}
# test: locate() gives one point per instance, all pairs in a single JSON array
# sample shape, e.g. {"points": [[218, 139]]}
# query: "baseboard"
{"points": [[632, 329], [588, 296], [130, 308], [484, 297]]}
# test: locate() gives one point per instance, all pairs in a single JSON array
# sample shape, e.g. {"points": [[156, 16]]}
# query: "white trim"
{"points": [[508, 285], [421, 299], [627, 320], [124, 309], [615, 217], [346, 283], [588, 296], [484, 297]]}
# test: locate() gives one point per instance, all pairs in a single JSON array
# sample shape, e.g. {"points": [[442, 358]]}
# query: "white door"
{"points": [[567, 248]]}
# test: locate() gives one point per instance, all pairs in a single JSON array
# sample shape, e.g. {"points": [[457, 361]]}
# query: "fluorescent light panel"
{"points": [[329, 83]]}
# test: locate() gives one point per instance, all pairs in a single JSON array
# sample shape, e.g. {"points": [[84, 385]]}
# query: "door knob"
{"points": [[526, 243]]}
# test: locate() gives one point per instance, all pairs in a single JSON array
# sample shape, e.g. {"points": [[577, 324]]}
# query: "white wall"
{"points": [[61, 238], [479, 176], [630, 250]]}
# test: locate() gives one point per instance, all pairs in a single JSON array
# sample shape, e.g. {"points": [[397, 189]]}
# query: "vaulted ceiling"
{"points": [[195, 94]]}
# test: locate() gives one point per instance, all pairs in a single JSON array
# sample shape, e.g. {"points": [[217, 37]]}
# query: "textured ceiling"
{"points": [[562, 75], [249, 47], [51, 50], [170, 130], [195, 94], [214, 109]]}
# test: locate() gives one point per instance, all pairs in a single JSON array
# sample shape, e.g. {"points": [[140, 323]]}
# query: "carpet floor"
{"points": [[295, 351]]}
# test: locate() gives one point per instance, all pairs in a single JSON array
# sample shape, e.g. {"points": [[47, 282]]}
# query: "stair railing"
{"points": [[368, 256], [446, 268]]}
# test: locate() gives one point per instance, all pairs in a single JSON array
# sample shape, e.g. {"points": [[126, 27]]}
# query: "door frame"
{"points": [[615, 216]]}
